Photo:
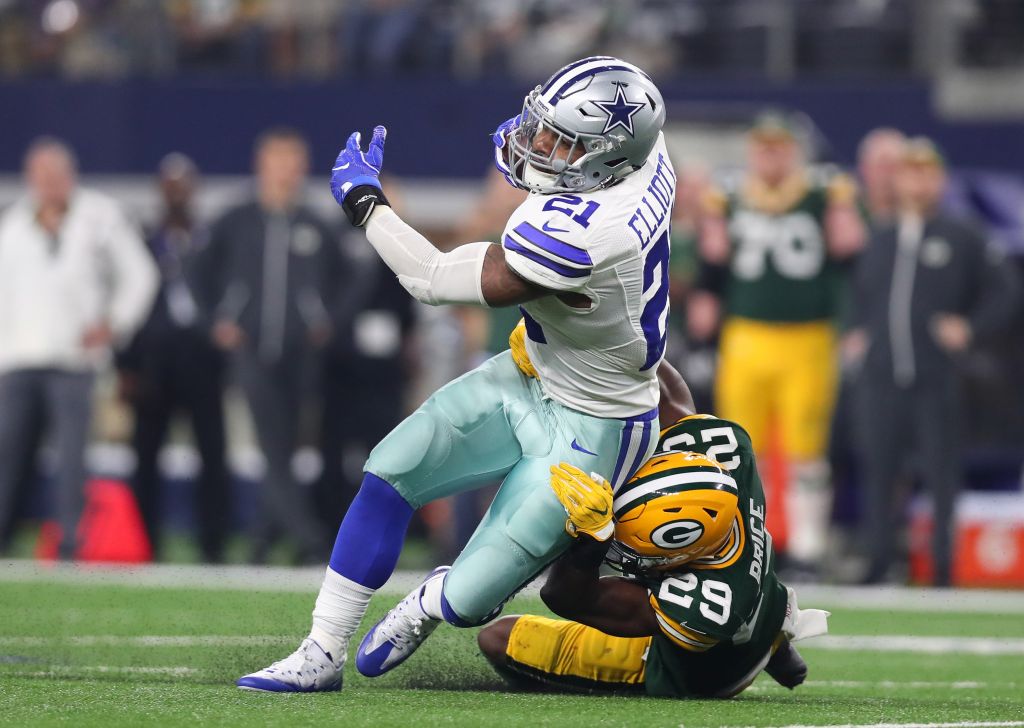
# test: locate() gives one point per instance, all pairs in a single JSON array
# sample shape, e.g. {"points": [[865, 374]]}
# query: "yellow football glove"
{"points": [[587, 500], [517, 343]]}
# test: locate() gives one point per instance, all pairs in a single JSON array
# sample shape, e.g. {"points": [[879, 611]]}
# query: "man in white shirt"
{"points": [[75, 278]]}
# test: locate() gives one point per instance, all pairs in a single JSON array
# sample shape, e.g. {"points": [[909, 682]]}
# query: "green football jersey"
{"points": [[718, 616], [780, 269]]}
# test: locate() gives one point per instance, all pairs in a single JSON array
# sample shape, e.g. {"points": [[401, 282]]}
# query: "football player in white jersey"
{"points": [[587, 257]]}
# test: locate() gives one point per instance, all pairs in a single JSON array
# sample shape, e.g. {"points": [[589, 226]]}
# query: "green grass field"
{"points": [[83, 653]]}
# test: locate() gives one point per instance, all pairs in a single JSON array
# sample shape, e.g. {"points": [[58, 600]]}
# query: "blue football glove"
{"points": [[500, 139], [354, 179]]}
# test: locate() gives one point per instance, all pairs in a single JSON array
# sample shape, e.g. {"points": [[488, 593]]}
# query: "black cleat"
{"points": [[786, 666]]}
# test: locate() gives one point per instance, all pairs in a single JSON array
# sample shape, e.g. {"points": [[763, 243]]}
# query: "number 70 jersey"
{"points": [[597, 343]]}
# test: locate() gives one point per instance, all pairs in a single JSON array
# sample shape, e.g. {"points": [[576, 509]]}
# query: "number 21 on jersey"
{"points": [[654, 315]]}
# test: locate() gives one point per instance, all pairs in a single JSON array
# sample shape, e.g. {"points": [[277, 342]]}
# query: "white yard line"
{"points": [[768, 686], [842, 643], [962, 724], [112, 669], [106, 640], [919, 645], [307, 580]]}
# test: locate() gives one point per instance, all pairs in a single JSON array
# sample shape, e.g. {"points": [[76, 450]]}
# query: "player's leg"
{"points": [[463, 436], [524, 528], [521, 533], [937, 416], [69, 404], [21, 405], [153, 408], [883, 428], [561, 655], [807, 393]]}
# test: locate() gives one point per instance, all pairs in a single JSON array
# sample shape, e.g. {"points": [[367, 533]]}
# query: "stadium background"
{"points": [[126, 82]]}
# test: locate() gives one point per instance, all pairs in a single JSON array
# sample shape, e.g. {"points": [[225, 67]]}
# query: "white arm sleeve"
{"points": [[431, 276]]}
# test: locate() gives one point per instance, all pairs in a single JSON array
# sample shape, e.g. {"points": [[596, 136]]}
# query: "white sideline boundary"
{"points": [[961, 724], [307, 580], [907, 644], [889, 685]]}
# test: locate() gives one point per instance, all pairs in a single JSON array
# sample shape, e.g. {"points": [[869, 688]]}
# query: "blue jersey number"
{"points": [[654, 318], [567, 204]]}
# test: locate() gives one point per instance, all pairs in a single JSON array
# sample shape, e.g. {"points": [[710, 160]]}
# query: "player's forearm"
{"points": [[575, 590], [676, 400], [845, 231], [431, 276]]}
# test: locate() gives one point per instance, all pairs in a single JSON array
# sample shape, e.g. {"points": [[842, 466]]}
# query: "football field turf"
{"points": [[163, 646]]}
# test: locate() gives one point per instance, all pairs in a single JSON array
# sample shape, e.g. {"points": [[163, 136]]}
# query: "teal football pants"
{"points": [[495, 423]]}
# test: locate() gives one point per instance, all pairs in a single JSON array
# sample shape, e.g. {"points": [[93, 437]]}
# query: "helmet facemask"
{"points": [[561, 169], [624, 559]]}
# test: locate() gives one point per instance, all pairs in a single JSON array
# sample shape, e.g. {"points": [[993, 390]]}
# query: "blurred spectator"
{"points": [[263, 281], [172, 366], [220, 35], [365, 368], [74, 279], [878, 158], [771, 254], [926, 288], [695, 357]]}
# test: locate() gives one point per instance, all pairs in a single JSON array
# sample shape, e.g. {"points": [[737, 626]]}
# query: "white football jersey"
{"points": [[611, 245]]}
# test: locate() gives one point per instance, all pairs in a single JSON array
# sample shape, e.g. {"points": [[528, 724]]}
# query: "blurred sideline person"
{"points": [[927, 286], [878, 159], [172, 366], [772, 254], [701, 611], [75, 279], [265, 277], [365, 369]]}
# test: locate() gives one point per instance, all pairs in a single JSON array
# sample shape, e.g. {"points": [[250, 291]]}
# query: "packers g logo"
{"points": [[677, 534]]}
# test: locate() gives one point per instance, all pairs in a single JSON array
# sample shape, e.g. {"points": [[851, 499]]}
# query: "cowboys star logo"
{"points": [[620, 111]]}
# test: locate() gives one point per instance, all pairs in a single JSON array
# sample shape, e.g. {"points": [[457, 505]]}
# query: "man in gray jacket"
{"points": [[75, 278], [928, 285], [264, 281]]}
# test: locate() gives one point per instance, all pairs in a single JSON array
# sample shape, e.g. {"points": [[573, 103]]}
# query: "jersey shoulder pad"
{"points": [[545, 246]]}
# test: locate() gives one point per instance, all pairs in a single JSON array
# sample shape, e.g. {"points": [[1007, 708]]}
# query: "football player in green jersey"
{"points": [[773, 253], [699, 611]]}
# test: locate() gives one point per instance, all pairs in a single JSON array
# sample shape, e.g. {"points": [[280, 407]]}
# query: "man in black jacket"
{"points": [[172, 364], [928, 285], [267, 273]]}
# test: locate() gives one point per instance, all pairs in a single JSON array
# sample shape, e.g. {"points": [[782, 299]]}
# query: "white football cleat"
{"points": [[394, 638], [310, 669]]}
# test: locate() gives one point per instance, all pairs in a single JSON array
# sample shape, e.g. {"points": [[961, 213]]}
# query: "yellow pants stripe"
{"points": [[574, 656]]}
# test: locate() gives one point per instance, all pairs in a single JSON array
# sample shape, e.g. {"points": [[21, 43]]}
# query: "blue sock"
{"points": [[371, 534]]}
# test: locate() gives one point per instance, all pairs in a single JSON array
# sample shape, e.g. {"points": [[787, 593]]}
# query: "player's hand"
{"points": [[952, 332], [355, 168], [587, 500], [517, 345], [500, 138]]}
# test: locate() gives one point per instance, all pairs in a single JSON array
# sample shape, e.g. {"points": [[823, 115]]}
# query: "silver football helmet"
{"points": [[607, 113]]}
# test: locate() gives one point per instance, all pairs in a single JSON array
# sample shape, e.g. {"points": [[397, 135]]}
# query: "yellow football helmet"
{"points": [[679, 507]]}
